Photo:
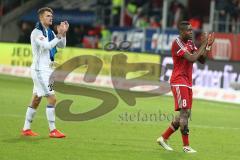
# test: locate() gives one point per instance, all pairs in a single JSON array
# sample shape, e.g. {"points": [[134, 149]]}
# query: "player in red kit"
{"points": [[184, 54]]}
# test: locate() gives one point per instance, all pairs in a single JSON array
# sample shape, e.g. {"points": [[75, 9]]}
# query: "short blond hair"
{"points": [[44, 9]]}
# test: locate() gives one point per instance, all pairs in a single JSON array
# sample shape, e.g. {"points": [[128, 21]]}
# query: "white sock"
{"points": [[29, 117], [50, 112]]}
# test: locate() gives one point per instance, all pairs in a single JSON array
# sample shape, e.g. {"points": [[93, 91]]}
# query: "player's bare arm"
{"points": [[195, 56]]}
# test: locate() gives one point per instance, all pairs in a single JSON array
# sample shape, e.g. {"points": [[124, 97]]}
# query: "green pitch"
{"points": [[125, 133]]}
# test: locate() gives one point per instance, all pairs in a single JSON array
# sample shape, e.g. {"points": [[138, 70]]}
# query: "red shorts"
{"points": [[182, 97]]}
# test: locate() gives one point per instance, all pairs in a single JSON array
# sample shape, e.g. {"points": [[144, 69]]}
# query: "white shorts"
{"points": [[43, 86]]}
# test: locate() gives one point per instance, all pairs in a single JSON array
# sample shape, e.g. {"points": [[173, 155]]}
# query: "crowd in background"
{"points": [[8, 5], [137, 14], [228, 11]]}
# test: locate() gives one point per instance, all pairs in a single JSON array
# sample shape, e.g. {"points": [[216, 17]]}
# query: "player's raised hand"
{"points": [[211, 38], [60, 29], [65, 25]]}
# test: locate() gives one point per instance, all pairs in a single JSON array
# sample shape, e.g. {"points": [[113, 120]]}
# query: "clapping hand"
{"points": [[211, 38], [63, 28]]}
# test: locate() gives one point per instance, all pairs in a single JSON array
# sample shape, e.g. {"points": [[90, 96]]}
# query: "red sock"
{"points": [[185, 140], [168, 133]]}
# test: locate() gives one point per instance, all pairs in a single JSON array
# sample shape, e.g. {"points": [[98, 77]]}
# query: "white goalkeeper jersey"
{"points": [[40, 49]]}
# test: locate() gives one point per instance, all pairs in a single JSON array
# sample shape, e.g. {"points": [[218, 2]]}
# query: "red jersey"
{"points": [[182, 68]]}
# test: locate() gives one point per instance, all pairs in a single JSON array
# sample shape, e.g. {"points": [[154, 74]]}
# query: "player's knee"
{"points": [[185, 130], [175, 125], [52, 100], [36, 101], [184, 123]]}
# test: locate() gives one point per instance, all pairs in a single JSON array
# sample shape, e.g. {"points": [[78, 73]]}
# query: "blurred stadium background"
{"points": [[150, 27]]}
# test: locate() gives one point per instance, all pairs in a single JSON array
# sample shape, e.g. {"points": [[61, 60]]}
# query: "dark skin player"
{"points": [[186, 33]]}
